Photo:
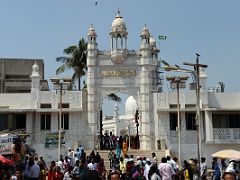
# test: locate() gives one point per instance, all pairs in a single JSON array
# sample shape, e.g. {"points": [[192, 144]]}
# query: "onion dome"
{"points": [[130, 106], [152, 41], [145, 32], [92, 31], [118, 23]]}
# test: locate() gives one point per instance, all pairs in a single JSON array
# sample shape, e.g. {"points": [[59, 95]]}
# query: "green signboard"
{"points": [[51, 139]]}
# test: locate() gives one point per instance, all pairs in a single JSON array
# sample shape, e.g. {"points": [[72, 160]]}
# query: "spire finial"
{"points": [[118, 11]]}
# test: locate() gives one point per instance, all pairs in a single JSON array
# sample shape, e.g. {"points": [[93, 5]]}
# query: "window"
{"points": [[45, 106], [226, 120], [64, 105], [45, 121], [65, 121], [12, 121], [190, 121], [173, 121], [173, 106]]}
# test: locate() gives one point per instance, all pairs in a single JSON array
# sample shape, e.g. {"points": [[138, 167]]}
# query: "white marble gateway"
{"points": [[134, 72]]}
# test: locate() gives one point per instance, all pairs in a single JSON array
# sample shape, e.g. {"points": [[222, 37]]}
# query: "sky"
{"points": [[42, 29]]}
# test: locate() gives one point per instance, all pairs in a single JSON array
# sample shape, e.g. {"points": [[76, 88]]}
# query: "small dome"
{"points": [[92, 31], [152, 41], [35, 70], [145, 31], [118, 23], [130, 106], [35, 67]]}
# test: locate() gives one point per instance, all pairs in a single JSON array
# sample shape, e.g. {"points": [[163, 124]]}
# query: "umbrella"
{"points": [[4, 160], [227, 154]]}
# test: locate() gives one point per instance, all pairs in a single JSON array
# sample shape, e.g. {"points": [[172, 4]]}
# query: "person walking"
{"points": [[118, 151], [165, 170], [58, 175], [110, 157], [216, 167], [187, 171], [203, 169]]}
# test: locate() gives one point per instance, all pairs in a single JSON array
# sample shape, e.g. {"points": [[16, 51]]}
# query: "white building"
{"points": [[122, 124], [134, 73]]}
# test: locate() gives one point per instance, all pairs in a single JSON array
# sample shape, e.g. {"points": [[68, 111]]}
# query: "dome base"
{"points": [[119, 56]]}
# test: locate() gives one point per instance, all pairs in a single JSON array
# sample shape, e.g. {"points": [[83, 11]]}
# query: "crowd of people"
{"points": [[77, 165]]}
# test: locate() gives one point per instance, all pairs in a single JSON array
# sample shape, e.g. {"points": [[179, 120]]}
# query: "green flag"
{"points": [[161, 37]]}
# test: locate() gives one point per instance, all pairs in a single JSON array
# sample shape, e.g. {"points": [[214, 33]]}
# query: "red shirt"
{"points": [[58, 176]]}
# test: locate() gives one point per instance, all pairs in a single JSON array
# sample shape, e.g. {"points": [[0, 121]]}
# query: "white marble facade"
{"points": [[134, 73]]}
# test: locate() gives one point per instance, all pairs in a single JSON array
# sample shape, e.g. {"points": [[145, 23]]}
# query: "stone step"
{"points": [[134, 152]]}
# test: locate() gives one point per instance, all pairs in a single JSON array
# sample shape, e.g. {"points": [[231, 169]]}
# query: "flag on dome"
{"points": [[161, 37]]}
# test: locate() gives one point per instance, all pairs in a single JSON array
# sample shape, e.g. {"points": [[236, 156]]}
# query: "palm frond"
{"points": [[114, 97], [70, 49], [76, 59], [61, 69], [62, 59]]}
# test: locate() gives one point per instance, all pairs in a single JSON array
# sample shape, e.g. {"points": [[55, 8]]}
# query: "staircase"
{"points": [[134, 152]]}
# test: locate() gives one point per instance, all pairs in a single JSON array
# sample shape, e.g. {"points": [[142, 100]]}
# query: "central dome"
{"points": [[118, 23]]}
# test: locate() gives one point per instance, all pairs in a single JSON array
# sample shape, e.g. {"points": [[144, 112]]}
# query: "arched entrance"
{"points": [[119, 122], [125, 71]]}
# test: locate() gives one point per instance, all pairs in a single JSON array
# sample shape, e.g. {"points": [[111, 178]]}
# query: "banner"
{"points": [[6, 144], [51, 139]]}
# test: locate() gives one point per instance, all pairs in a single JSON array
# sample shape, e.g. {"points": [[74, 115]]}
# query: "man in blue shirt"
{"points": [[217, 170]]}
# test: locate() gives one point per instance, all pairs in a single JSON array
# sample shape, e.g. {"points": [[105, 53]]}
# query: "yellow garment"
{"points": [[122, 166], [125, 148], [186, 175]]}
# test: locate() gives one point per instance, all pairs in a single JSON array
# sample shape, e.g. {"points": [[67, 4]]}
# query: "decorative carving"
{"points": [[163, 101], [54, 100], [221, 134], [119, 73], [75, 99], [119, 56]]}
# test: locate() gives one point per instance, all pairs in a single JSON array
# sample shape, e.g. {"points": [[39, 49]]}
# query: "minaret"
{"points": [[35, 86], [93, 110], [35, 77], [118, 40], [145, 90], [145, 48]]}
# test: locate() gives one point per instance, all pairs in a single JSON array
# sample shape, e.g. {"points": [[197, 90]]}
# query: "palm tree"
{"points": [[76, 59]]}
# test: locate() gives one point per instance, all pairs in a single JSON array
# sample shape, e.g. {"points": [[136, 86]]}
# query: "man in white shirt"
{"points": [[165, 170], [147, 168], [203, 169]]}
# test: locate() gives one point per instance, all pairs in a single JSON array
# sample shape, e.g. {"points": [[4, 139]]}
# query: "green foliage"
{"points": [[76, 59]]}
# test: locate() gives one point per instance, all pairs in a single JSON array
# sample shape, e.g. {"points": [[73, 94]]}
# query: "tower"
{"points": [[35, 77], [35, 85], [118, 40], [93, 110], [145, 89]]}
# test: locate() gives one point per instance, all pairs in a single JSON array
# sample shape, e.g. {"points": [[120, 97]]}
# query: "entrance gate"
{"points": [[124, 71]]}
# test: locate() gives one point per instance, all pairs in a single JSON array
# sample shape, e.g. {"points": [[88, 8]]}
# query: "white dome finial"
{"points": [[91, 31], [35, 70]]}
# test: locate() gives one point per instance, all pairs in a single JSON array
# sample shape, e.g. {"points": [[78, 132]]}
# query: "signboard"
{"points": [[51, 139], [6, 144], [119, 73]]}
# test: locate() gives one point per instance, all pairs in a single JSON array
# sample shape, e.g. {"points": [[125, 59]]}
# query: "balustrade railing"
{"points": [[226, 135]]}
